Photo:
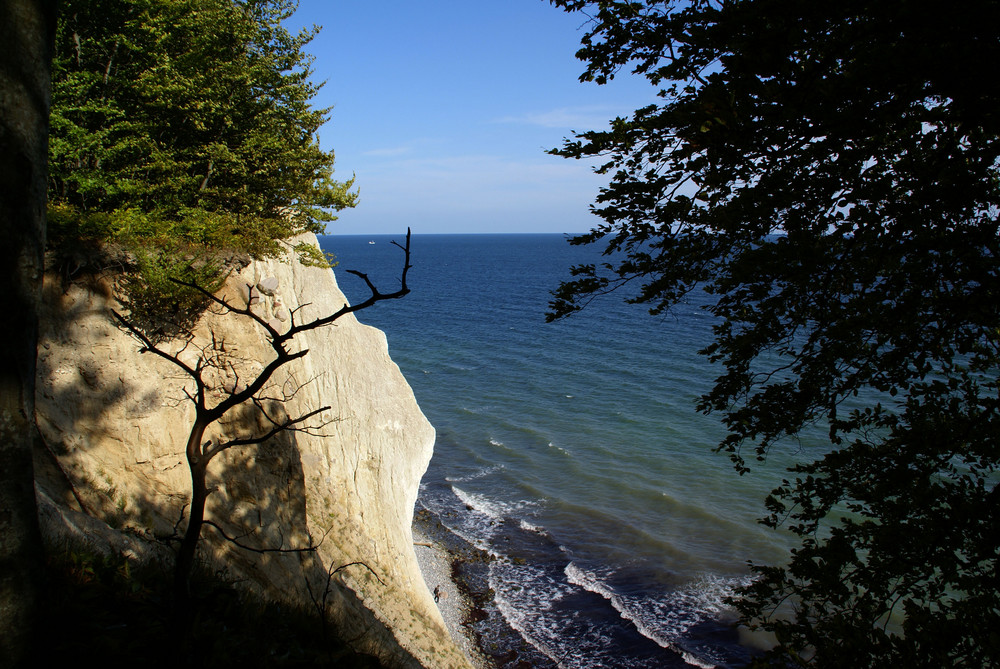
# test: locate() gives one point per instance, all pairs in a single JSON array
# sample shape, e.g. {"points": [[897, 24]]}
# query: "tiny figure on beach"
{"points": [[437, 593]]}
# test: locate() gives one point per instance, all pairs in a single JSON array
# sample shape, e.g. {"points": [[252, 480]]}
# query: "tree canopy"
{"points": [[182, 130], [188, 120], [830, 172]]}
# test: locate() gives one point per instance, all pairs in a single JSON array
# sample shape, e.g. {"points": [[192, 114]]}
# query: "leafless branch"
{"points": [[149, 346], [286, 426], [351, 564], [375, 296], [311, 548], [321, 602], [242, 311], [214, 359]]}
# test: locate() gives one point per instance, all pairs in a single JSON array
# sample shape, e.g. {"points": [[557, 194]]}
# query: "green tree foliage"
{"points": [[187, 124], [829, 172]]}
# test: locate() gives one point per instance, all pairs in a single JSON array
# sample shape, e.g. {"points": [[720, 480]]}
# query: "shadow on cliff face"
{"points": [[260, 542], [259, 500], [77, 390], [263, 509]]}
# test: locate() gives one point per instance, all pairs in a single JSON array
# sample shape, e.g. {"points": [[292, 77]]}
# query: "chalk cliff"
{"points": [[114, 423]]}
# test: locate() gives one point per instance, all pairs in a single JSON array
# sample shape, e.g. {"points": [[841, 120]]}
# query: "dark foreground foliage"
{"points": [[100, 611], [830, 172]]}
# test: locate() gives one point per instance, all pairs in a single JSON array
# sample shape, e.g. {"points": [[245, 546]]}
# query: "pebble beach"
{"points": [[435, 565]]}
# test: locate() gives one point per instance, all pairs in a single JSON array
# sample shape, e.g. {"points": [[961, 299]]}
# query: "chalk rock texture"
{"points": [[268, 285], [114, 424]]}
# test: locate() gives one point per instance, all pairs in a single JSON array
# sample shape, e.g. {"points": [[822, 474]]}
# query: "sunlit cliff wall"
{"points": [[114, 424]]}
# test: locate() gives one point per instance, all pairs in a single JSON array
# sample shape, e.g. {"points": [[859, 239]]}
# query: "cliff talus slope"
{"points": [[114, 423]]}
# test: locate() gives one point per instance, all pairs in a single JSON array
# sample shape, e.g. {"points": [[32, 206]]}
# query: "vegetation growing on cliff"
{"points": [[183, 128], [831, 173]]}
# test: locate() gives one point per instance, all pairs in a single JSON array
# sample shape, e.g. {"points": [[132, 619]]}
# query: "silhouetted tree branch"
{"points": [[829, 175], [321, 601], [211, 358], [311, 548]]}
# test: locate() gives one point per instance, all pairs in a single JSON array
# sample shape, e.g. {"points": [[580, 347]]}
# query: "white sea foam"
{"points": [[525, 596], [478, 410], [666, 618], [587, 581], [493, 508], [559, 448], [528, 527], [520, 624], [460, 368], [530, 599], [475, 528], [479, 503], [482, 517], [485, 471]]}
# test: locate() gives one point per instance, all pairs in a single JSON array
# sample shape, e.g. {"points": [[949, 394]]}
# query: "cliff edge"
{"points": [[114, 423]]}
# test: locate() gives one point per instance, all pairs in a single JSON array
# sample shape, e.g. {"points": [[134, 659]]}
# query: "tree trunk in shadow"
{"points": [[27, 29], [198, 465]]}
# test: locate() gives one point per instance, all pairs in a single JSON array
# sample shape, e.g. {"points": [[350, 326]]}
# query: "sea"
{"points": [[570, 455]]}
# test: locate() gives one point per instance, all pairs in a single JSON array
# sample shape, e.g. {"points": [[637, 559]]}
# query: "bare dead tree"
{"points": [[321, 600], [210, 360]]}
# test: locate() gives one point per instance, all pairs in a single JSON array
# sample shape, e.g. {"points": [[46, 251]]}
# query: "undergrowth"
{"points": [[105, 610]]}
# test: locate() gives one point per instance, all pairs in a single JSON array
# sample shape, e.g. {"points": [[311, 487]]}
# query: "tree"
{"points": [[183, 134], [179, 123], [214, 359], [26, 34], [829, 173]]}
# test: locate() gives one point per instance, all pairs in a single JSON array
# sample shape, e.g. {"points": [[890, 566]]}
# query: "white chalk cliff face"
{"points": [[114, 424]]}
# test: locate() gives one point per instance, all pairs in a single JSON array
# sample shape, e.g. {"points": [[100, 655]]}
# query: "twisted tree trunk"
{"points": [[198, 465]]}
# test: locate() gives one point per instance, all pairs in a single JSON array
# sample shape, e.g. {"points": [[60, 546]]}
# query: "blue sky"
{"points": [[444, 109]]}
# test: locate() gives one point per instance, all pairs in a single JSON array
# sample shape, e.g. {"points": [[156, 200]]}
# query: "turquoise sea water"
{"points": [[572, 451]]}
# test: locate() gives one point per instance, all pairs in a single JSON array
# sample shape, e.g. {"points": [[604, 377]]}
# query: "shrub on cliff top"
{"points": [[186, 123]]}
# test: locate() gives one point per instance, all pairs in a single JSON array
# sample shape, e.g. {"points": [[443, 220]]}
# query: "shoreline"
{"points": [[461, 571], [456, 606]]}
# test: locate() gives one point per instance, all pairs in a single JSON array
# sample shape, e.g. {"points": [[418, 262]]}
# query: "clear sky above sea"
{"points": [[444, 109]]}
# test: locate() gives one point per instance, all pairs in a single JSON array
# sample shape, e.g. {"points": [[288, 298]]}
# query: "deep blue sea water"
{"points": [[572, 451]]}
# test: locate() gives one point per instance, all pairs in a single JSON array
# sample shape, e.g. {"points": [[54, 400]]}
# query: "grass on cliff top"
{"points": [[101, 609]]}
